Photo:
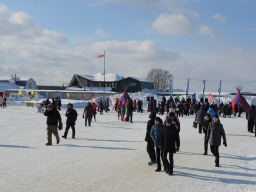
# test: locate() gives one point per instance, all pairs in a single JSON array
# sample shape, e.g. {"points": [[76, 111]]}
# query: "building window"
{"points": [[132, 84]]}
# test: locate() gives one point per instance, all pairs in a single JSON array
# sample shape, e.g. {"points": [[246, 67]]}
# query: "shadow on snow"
{"points": [[17, 146], [97, 147]]}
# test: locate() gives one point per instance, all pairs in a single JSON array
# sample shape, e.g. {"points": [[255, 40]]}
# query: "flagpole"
{"points": [[104, 78]]}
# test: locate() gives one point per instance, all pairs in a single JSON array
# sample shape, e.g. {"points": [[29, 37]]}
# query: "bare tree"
{"points": [[160, 78]]}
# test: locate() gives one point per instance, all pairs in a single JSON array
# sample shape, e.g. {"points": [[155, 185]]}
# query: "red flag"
{"points": [[101, 56], [82, 96], [210, 97], [4, 93]]}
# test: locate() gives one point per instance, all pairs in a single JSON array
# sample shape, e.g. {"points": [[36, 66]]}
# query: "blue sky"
{"points": [[200, 39]]}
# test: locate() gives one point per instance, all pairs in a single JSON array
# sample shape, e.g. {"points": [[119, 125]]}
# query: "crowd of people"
{"points": [[162, 136]]}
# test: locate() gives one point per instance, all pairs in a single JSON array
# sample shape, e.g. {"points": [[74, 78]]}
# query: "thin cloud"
{"points": [[219, 17]]}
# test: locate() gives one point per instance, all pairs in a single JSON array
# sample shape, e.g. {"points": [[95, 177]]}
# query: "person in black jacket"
{"points": [[148, 139], [207, 121], [129, 111], [170, 143], [53, 118], [88, 112], [200, 118], [71, 115], [250, 118]]}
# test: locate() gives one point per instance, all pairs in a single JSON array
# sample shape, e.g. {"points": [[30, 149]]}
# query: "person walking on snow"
{"points": [[207, 121], [53, 118], [71, 115], [214, 134]]}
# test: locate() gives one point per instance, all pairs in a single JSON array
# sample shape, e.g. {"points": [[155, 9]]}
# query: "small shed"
{"points": [[134, 85]]}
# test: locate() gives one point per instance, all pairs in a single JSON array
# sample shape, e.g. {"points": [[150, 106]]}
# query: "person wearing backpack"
{"points": [[71, 115]]}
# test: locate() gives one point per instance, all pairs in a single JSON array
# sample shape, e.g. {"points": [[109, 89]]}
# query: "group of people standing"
{"points": [[163, 137]]}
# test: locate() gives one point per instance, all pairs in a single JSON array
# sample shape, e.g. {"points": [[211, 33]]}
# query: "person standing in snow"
{"points": [[156, 134], [88, 110], [71, 115], [94, 109], [53, 118], [170, 143], [250, 118], [174, 117], [254, 116], [4, 102], [214, 134], [200, 118], [129, 111], [148, 139], [207, 121]]}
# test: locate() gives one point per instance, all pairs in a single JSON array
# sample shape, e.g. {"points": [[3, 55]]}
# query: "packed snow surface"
{"points": [[111, 156]]}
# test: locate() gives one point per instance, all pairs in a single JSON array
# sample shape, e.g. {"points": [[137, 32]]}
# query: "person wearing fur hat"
{"points": [[170, 143], [207, 121], [174, 117], [156, 135], [150, 143], [71, 115], [214, 134]]}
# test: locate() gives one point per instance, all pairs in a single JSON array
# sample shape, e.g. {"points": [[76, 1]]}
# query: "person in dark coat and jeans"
{"points": [[250, 118], [170, 143], [88, 112], [156, 135], [207, 121], [200, 118], [148, 139], [71, 115], [53, 118], [214, 134]]}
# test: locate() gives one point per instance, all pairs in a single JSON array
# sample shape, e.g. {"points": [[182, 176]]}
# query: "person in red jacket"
{"points": [[94, 109], [134, 105], [4, 102]]}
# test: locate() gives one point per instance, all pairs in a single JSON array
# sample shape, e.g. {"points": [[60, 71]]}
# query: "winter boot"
{"points": [[73, 135], [217, 162], [65, 135], [47, 144]]}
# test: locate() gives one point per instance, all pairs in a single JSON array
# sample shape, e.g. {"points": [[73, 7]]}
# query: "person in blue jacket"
{"points": [[156, 134], [211, 111]]}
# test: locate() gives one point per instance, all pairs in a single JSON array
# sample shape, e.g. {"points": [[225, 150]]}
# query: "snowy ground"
{"points": [[111, 156]]}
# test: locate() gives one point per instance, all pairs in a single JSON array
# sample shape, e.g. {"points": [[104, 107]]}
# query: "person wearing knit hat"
{"points": [[156, 135]]}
